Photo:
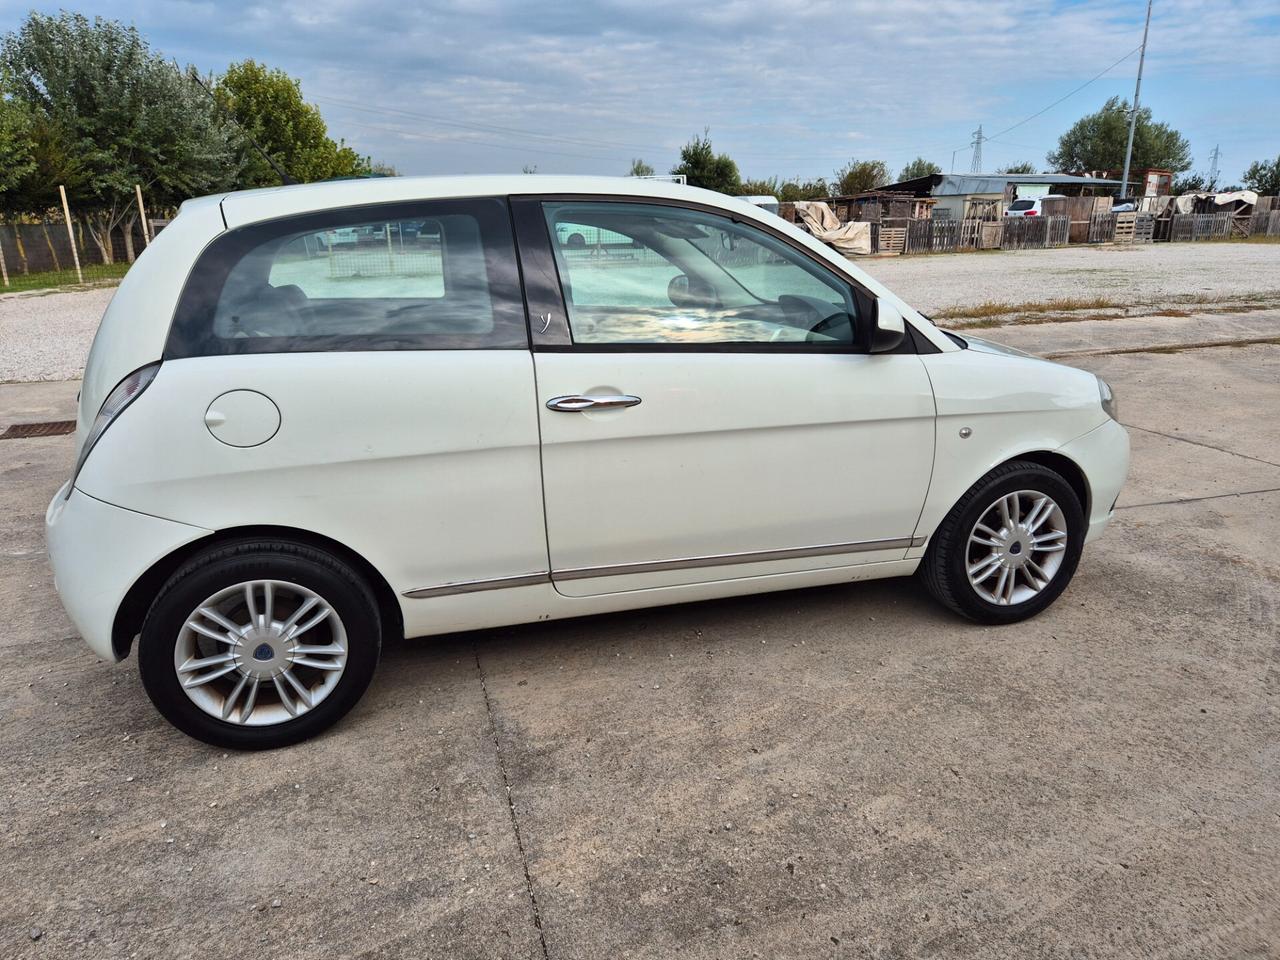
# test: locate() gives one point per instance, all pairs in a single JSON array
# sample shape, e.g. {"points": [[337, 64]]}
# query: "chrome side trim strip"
{"points": [[656, 566], [726, 559], [475, 586]]}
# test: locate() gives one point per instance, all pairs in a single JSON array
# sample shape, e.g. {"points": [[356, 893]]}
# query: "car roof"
{"points": [[251, 206]]}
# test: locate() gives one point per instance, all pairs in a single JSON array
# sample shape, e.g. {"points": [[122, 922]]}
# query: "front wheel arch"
{"points": [[137, 601], [1059, 463], [1069, 470]]}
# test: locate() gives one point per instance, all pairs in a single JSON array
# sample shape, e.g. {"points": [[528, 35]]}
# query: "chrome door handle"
{"points": [[574, 403]]}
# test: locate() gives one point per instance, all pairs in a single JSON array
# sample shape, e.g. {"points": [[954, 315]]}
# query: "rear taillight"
{"points": [[1029, 213], [125, 392]]}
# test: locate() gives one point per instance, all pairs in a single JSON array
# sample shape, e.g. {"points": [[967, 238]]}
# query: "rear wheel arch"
{"points": [[137, 601]]}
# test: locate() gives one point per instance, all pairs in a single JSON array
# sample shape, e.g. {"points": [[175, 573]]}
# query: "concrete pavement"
{"points": [[839, 772]]}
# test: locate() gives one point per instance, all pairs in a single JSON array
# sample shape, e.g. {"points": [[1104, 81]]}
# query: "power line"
{"points": [[1095, 77], [1098, 76]]}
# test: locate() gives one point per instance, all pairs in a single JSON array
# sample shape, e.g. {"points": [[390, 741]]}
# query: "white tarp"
{"points": [[850, 239], [1186, 203]]}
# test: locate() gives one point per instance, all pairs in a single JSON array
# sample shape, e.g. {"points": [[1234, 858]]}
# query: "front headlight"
{"points": [[1109, 404], [125, 392]]}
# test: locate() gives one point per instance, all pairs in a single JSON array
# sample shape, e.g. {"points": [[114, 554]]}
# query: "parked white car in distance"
{"points": [[1031, 207], [290, 449]]}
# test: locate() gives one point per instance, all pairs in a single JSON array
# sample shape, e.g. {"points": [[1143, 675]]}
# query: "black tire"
{"points": [[226, 565], [944, 569]]}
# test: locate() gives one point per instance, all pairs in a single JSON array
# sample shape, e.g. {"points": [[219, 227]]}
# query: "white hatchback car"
{"points": [[1033, 207], [290, 449]]}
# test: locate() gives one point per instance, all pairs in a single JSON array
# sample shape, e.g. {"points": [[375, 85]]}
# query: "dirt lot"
{"points": [[1155, 273], [832, 773]]}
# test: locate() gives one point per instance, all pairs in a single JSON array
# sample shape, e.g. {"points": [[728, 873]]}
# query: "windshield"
{"points": [[1022, 205]]}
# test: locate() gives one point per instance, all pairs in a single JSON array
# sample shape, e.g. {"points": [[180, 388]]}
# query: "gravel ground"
{"points": [[1139, 273], [47, 337]]}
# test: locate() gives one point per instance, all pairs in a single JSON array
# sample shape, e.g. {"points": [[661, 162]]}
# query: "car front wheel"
{"points": [[1009, 547], [259, 644]]}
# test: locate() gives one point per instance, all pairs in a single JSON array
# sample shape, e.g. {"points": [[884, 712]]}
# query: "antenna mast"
{"points": [[285, 179]]}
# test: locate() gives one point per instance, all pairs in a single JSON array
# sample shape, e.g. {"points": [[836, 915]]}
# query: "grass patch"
{"points": [[53, 279], [996, 308], [1166, 348], [992, 313]]}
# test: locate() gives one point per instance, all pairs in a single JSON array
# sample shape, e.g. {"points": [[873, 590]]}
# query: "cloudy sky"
{"points": [[789, 87]]}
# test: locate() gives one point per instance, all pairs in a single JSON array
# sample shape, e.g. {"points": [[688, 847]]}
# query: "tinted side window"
{"points": [[635, 273], [431, 275]]}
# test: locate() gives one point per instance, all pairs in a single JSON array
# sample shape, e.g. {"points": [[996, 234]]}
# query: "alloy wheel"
{"points": [[261, 652], [1016, 547]]}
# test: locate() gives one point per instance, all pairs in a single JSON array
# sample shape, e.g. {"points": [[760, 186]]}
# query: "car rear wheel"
{"points": [[259, 644], [1009, 547]]}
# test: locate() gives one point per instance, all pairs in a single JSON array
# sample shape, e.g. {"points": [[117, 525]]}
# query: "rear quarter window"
{"points": [[419, 276]]}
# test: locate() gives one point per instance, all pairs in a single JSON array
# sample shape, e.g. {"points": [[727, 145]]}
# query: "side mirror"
{"points": [[890, 327], [689, 293]]}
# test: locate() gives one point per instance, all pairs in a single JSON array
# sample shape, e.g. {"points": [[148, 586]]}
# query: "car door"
{"points": [[706, 409]]}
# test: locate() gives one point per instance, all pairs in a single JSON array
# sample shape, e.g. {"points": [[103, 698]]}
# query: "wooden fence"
{"points": [[941, 235], [947, 236], [1028, 233], [1265, 223], [1122, 228], [1200, 226]]}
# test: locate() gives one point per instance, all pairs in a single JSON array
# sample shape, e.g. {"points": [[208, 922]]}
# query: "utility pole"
{"points": [[1133, 117], [1213, 166], [976, 166]]}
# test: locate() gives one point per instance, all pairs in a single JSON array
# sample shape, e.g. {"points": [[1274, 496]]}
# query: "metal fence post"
{"points": [[66, 213]]}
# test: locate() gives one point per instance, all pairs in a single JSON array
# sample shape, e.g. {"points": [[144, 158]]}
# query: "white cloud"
{"points": [[786, 86]]}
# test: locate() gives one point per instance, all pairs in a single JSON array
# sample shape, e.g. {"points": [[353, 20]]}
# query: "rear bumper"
{"points": [[1103, 455], [98, 552]]}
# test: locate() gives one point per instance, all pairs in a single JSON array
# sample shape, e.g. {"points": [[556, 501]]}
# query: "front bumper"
{"points": [[1103, 455], [98, 551]]}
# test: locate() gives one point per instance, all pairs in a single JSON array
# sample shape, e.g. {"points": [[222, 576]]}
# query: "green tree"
{"points": [[1192, 183], [1097, 142], [104, 106], [815, 189], [1026, 166], [858, 176], [640, 169], [919, 167], [1264, 177], [764, 187], [267, 105], [42, 160], [702, 167], [17, 154]]}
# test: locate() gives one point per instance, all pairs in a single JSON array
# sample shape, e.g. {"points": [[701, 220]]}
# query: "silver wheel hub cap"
{"points": [[260, 652], [1016, 547]]}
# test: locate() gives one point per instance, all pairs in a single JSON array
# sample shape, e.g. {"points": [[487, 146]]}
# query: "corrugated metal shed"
{"points": [[963, 184]]}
